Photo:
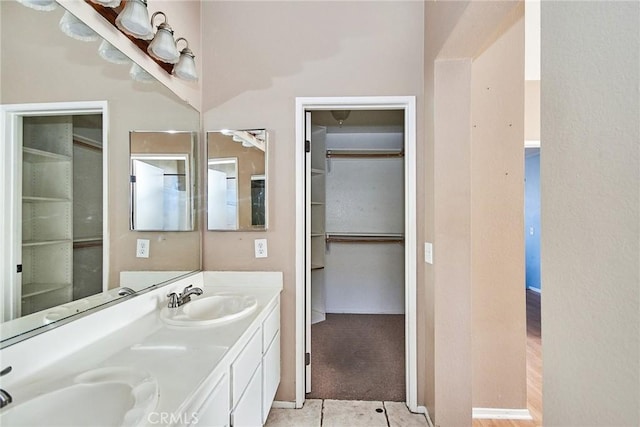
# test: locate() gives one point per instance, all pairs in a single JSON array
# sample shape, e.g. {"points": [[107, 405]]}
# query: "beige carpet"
{"points": [[358, 357]]}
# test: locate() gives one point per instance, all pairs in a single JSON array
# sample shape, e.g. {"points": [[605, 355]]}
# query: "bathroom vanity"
{"points": [[216, 364]]}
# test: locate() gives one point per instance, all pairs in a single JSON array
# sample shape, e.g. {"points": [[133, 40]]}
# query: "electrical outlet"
{"points": [[261, 248], [142, 248], [428, 253]]}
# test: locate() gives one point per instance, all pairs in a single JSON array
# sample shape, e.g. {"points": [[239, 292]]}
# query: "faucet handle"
{"points": [[173, 300]]}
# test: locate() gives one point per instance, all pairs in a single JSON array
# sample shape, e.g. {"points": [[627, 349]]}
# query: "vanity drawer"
{"points": [[244, 366], [270, 327]]}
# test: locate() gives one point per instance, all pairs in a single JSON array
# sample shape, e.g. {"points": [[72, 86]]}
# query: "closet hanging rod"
{"points": [[345, 154], [363, 238]]}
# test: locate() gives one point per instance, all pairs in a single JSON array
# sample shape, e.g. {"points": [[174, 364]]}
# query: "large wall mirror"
{"points": [[162, 181], [80, 188], [237, 180]]}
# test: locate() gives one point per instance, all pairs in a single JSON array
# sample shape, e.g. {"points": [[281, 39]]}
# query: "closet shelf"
{"points": [[33, 289], [317, 266], [33, 155], [315, 171], [381, 154], [364, 238], [27, 243], [36, 199]]}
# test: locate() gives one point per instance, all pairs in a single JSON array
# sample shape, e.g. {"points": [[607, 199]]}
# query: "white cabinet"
{"points": [[247, 412], [214, 412], [243, 397]]}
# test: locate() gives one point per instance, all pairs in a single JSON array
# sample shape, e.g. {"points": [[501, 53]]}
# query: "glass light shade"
{"points": [[44, 5], [138, 74], [163, 46], [75, 28], [111, 54], [107, 3], [134, 20], [185, 69]]}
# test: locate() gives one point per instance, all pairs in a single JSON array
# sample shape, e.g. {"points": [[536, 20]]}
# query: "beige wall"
{"points": [[532, 110], [260, 56], [41, 64], [497, 224], [461, 41], [590, 170]]}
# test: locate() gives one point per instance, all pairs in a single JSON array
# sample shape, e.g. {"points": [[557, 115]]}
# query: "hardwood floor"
{"points": [[534, 370]]}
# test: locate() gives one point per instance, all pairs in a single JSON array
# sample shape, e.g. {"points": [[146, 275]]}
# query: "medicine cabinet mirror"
{"points": [[237, 180], [41, 67], [162, 181]]}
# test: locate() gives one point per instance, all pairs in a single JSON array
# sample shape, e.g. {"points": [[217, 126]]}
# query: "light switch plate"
{"points": [[142, 248], [428, 252], [261, 248]]}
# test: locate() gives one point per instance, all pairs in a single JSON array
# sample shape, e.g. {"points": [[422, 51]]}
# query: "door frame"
{"points": [[302, 298], [11, 123]]}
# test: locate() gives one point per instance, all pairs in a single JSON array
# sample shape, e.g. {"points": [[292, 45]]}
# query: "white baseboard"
{"points": [[423, 410], [536, 290], [283, 405], [502, 414]]}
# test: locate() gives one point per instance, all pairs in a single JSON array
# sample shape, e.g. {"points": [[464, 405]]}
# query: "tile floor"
{"points": [[346, 413]]}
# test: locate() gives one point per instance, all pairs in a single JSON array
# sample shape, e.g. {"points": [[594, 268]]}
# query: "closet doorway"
{"points": [[357, 230]]}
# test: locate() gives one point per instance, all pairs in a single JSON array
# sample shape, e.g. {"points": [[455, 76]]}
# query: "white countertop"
{"points": [[181, 359]]}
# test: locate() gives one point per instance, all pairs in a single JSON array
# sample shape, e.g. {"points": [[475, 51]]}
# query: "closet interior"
{"points": [[357, 256], [61, 210]]}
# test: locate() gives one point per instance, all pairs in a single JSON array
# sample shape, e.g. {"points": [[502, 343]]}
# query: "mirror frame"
{"points": [[192, 174], [267, 144]]}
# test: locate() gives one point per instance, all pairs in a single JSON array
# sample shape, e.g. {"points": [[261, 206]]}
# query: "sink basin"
{"points": [[213, 310], [105, 397]]}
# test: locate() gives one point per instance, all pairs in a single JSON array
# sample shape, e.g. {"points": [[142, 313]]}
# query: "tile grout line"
{"points": [[322, 413], [385, 414]]}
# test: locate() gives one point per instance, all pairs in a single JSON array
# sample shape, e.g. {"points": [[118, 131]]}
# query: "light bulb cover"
{"points": [[75, 28], [185, 69], [138, 74], [42, 5], [163, 46], [109, 53], [107, 3], [134, 20]]}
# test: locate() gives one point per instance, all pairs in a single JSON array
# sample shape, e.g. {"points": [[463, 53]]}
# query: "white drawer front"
{"points": [[270, 327], [245, 365], [247, 413], [270, 376]]}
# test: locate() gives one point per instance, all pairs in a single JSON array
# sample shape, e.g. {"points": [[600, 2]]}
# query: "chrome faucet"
{"points": [[5, 397], [126, 291], [176, 300]]}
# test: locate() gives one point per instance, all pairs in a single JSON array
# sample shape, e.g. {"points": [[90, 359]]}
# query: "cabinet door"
{"points": [[270, 375], [214, 412], [248, 412]]}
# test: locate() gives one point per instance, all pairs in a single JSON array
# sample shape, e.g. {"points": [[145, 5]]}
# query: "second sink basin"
{"points": [[102, 397], [212, 310]]}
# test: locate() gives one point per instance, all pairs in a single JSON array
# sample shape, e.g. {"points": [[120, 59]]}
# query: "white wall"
{"points": [[590, 172], [364, 196]]}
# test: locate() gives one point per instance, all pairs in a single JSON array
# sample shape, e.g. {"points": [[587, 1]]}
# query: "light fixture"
{"points": [[138, 74], [107, 3], [163, 46], [134, 20], [340, 115], [185, 69], [109, 53], [249, 138], [44, 5], [75, 28]]}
